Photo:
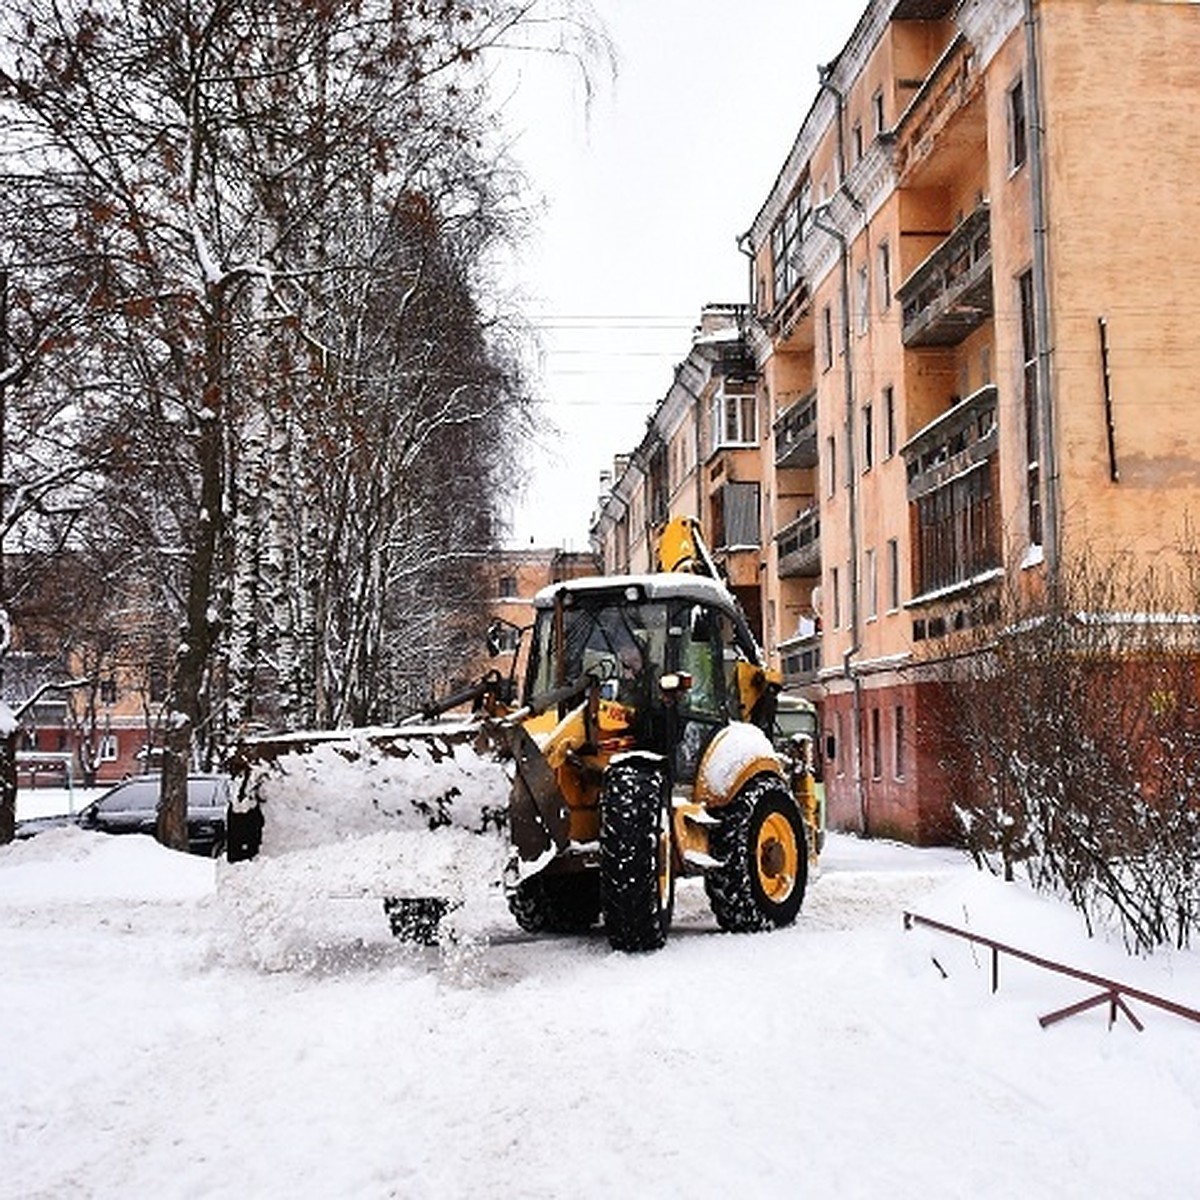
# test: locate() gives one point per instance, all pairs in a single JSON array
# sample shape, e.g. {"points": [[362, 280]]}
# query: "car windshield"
{"points": [[138, 795]]}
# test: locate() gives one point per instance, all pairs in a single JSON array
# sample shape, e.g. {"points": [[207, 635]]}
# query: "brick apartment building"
{"points": [[964, 360]]}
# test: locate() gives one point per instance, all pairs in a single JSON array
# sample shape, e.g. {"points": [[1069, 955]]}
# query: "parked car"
{"points": [[131, 807]]}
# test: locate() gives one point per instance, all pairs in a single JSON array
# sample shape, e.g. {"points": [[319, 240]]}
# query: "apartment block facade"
{"points": [[966, 354]]}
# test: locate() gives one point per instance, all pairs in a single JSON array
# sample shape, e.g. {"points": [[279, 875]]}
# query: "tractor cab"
{"points": [[669, 658]]}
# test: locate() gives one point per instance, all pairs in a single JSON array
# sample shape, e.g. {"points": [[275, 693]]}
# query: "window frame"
{"points": [[1018, 125], [893, 548]]}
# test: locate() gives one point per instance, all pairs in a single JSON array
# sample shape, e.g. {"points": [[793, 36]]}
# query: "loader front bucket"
{"points": [[417, 918], [410, 819], [538, 818]]}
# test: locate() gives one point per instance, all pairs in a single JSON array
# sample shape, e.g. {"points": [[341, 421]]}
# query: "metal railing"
{"points": [[1112, 992]]}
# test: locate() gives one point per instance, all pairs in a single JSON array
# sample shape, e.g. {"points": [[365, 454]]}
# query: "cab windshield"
{"points": [[622, 645]]}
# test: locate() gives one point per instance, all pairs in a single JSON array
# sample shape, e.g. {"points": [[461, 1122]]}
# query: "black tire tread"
{"points": [[732, 888], [631, 807]]}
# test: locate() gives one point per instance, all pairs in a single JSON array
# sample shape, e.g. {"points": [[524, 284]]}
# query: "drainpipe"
{"points": [[825, 82], [766, 500], [820, 221], [1051, 533]]}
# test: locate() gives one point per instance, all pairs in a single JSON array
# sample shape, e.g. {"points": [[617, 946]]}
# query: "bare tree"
{"points": [[1074, 739], [225, 178]]}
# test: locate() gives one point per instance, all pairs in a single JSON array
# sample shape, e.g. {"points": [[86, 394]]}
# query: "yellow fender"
{"points": [[736, 755]]}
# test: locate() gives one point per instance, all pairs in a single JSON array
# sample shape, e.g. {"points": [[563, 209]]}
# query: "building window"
{"points": [[1032, 413], [864, 298], [108, 691], [877, 112], [885, 276], [835, 594], [872, 585], [893, 550], [889, 420], [827, 337], [734, 418], [109, 750], [508, 586], [876, 746], [1017, 141], [898, 748], [856, 139], [838, 742], [868, 422], [831, 463]]}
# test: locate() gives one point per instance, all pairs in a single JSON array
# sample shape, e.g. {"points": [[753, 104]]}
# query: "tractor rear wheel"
{"points": [[637, 876], [556, 903], [763, 860]]}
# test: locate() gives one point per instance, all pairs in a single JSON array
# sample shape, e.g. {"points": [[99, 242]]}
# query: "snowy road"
{"points": [[145, 1054]]}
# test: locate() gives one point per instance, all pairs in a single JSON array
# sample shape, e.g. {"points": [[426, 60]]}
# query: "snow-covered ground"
{"points": [[175, 1027]]}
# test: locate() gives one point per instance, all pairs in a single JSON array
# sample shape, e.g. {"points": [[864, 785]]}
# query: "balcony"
{"points": [[789, 312], [957, 441], [944, 128], [950, 294], [800, 659], [733, 360], [796, 433], [799, 546]]}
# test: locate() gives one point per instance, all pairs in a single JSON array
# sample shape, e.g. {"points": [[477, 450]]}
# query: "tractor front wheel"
{"points": [[637, 877], [763, 869]]}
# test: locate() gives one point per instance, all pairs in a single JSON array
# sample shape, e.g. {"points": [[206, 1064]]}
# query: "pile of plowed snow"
{"points": [[350, 823]]}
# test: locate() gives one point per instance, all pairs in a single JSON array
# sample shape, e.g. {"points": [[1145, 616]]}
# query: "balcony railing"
{"points": [[960, 438], [950, 294], [800, 659], [799, 545], [796, 433]]}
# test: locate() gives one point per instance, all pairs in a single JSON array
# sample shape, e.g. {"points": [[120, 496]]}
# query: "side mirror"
{"points": [[494, 640]]}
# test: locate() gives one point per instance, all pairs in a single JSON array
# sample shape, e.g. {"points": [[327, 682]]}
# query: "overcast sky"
{"points": [[646, 193]]}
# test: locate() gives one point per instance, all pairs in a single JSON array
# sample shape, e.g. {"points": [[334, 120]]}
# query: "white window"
{"points": [[734, 418], [864, 298], [885, 277], [110, 751]]}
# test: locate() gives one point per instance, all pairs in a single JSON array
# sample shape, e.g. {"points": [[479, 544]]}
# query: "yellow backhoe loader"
{"points": [[642, 751]]}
